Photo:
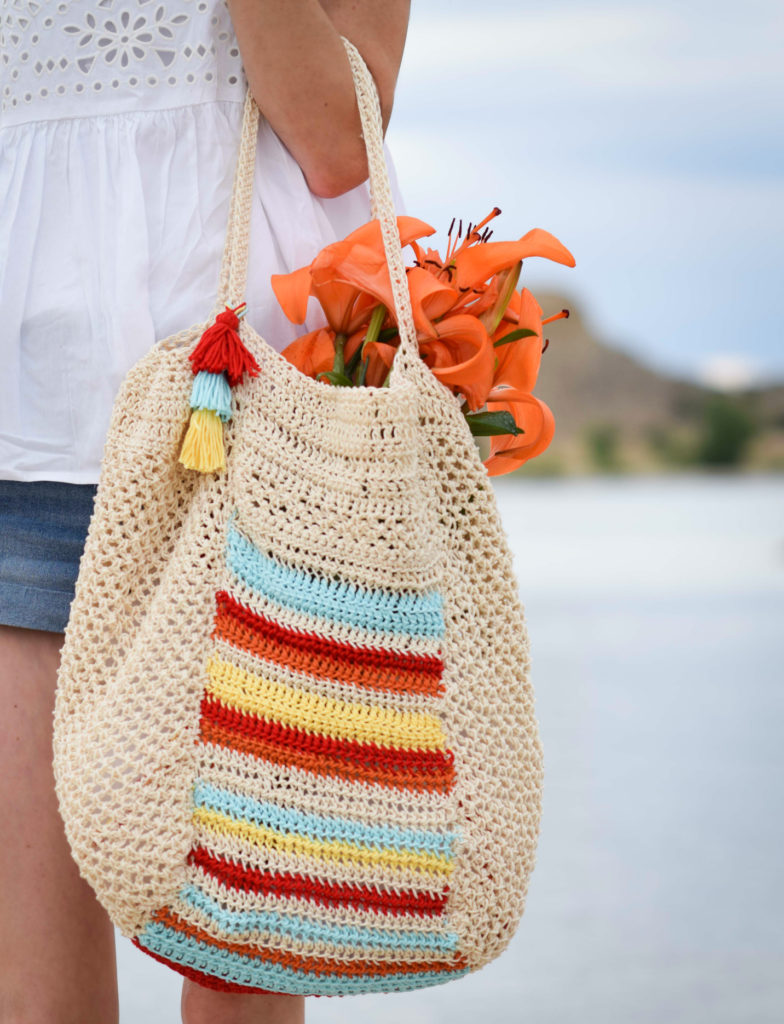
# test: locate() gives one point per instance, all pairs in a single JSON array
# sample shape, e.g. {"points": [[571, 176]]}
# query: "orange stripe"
{"points": [[433, 781], [311, 964], [322, 665]]}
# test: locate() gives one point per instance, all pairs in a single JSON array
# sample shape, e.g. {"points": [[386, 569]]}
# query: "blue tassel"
{"points": [[212, 391]]}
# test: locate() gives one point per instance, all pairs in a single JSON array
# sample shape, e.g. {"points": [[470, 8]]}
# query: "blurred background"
{"points": [[649, 537]]}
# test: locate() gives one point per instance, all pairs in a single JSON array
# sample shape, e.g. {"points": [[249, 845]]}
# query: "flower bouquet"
{"points": [[479, 336]]}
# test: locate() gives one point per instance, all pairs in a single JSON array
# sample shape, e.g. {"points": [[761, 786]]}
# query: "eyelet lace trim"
{"points": [[75, 46]]}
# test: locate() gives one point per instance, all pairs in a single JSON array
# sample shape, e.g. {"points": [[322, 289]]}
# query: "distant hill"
{"points": [[614, 413]]}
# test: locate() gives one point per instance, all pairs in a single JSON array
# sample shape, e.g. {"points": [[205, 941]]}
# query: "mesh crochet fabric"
{"points": [[295, 746]]}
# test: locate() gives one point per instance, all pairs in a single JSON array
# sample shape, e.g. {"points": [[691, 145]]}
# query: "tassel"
{"points": [[221, 348], [202, 448], [212, 391]]}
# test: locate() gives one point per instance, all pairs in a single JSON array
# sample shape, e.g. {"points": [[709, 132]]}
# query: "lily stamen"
{"points": [[563, 315]]}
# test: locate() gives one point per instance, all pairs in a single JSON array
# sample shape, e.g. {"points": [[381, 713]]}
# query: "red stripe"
{"points": [[285, 884], [321, 666], [246, 724], [321, 764], [371, 656]]}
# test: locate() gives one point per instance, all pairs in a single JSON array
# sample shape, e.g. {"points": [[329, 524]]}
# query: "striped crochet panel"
{"points": [[324, 827]]}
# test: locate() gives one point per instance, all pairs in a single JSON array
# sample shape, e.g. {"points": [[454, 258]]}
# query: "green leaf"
{"points": [[338, 379], [353, 363], [363, 372], [521, 332], [486, 424]]}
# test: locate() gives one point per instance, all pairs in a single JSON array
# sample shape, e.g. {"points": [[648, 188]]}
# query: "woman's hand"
{"points": [[299, 74]]}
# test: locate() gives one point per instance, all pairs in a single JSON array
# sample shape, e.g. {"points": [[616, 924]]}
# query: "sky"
{"points": [[649, 137]]}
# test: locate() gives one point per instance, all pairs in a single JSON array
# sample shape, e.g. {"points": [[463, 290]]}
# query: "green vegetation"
{"points": [[544, 465], [720, 435], [726, 431], [671, 447], [602, 441]]}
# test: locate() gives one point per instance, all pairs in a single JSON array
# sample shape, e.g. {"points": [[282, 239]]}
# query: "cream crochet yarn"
{"points": [[295, 747]]}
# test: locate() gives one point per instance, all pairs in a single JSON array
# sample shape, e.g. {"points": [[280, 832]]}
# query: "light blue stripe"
{"points": [[318, 826], [384, 610], [212, 391], [244, 970], [239, 922]]}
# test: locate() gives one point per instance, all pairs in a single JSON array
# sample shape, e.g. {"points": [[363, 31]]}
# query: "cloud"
{"points": [[728, 372]]}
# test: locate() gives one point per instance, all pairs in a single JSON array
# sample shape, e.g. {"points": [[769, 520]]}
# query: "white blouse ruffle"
{"points": [[111, 233]]}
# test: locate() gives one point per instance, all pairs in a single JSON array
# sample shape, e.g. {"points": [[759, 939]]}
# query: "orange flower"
{"points": [[462, 357], [508, 452], [518, 360], [468, 265], [337, 297], [478, 335], [476, 263], [430, 299], [513, 381], [379, 357], [312, 353]]}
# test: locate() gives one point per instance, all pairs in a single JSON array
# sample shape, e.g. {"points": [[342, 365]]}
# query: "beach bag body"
{"points": [[295, 746]]}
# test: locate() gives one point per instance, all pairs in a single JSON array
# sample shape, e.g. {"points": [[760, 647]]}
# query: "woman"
{"points": [[118, 137]]}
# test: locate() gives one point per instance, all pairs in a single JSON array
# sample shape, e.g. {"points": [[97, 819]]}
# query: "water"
{"points": [[656, 612]]}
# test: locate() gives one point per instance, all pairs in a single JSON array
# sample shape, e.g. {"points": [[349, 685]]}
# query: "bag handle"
{"points": [[234, 267]]}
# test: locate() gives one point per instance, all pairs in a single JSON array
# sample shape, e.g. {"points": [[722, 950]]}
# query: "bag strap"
{"points": [[234, 267]]}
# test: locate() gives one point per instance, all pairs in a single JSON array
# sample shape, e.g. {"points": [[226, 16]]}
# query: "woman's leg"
{"points": [[57, 952], [202, 1005]]}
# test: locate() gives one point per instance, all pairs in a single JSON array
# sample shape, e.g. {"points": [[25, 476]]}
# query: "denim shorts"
{"points": [[43, 527]]}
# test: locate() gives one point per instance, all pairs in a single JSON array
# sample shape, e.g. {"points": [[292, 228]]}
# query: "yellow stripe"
{"points": [[309, 711], [329, 850]]}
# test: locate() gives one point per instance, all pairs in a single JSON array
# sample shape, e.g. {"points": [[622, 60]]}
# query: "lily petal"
{"points": [[518, 361], [476, 263], [508, 452], [292, 291], [409, 229], [313, 353], [463, 341], [365, 270], [430, 298]]}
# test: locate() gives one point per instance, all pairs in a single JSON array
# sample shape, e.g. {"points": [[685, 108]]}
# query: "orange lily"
{"points": [[365, 271], [430, 299], [461, 357], [313, 353], [534, 418], [379, 356], [513, 381], [474, 264], [337, 298], [518, 361]]}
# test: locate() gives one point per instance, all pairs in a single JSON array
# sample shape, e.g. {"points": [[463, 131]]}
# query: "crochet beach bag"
{"points": [[295, 747]]}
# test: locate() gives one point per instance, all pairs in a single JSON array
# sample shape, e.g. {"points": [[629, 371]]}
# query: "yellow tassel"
{"points": [[202, 448]]}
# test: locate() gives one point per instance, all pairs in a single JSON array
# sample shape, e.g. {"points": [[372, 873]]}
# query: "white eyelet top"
{"points": [[119, 133]]}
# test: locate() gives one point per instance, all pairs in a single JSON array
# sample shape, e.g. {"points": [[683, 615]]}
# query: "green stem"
{"points": [[339, 366], [374, 326]]}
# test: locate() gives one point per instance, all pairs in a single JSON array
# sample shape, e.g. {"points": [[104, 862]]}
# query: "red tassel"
{"points": [[221, 348]]}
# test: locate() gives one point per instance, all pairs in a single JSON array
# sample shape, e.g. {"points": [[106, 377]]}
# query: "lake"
{"points": [[655, 608]]}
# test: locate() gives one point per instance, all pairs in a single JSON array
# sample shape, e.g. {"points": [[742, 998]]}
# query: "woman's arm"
{"points": [[299, 74]]}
